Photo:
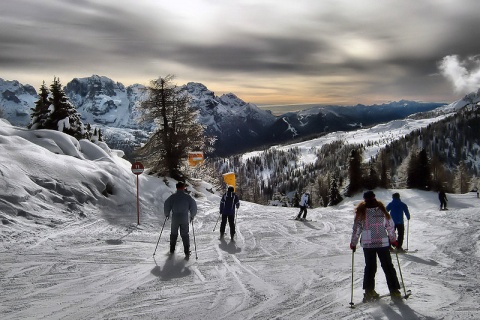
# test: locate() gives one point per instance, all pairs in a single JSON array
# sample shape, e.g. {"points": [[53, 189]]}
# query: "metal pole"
{"points": [[159, 236], [351, 299], [194, 241], [236, 212], [217, 222], [401, 276], [138, 205], [408, 228]]}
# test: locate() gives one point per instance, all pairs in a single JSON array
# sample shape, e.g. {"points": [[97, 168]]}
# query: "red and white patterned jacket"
{"points": [[376, 230]]}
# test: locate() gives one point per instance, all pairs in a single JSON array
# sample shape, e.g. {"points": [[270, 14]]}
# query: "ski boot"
{"points": [[370, 295], [396, 296]]}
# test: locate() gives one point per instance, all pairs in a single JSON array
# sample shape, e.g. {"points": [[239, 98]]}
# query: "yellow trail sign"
{"points": [[229, 179]]}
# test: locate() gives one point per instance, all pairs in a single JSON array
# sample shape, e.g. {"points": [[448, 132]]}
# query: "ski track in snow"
{"points": [[277, 269]]}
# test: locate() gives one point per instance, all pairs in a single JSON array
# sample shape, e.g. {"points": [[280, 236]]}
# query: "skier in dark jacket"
{"points": [[180, 204], [397, 209], [443, 200], [228, 204]]}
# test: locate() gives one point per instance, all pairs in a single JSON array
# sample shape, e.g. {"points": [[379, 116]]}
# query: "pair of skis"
{"points": [[394, 300], [407, 293]]}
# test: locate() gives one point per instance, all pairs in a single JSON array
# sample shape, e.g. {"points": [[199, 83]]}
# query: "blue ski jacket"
{"points": [[397, 208]]}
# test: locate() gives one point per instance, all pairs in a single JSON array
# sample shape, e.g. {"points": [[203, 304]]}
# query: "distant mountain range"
{"points": [[239, 126]]}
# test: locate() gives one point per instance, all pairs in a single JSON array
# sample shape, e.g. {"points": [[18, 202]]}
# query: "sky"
{"points": [[70, 252], [267, 52]]}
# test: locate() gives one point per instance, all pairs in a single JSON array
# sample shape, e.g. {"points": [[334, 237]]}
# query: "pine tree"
{"points": [[412, 171], [100, 135], [384, 168], [425, 178], [334, 196], [440, 176], [41, 111], [63, 116], [371, 181], [355, 172], [419, 172], [178, 131], [88, 132], [462, 180]]}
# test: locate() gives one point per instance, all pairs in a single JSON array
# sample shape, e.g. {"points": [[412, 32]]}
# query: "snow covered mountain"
{"points": [[16, 100], [239, 126], [324, 119], [100, 100]]}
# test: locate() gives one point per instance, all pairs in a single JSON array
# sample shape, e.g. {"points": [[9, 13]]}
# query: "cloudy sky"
{"points": [[265, 51]]}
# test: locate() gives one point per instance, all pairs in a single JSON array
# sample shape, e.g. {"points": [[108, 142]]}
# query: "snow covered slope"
{"points": [[71, 248]]}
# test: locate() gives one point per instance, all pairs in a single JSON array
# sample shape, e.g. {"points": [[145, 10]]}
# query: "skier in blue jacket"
{"points": [[397, 209]]}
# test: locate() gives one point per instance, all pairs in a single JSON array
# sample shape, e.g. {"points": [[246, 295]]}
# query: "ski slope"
{"points": [[277, 269]]}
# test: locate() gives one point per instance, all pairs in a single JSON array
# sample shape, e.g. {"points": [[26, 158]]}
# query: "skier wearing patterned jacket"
{"points": [[376, 231]]}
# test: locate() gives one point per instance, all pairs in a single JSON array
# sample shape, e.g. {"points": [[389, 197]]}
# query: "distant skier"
{"points": [[397, 209], [228, 203], [443, 200], [304, 201], [180, 204], [375, 226]]}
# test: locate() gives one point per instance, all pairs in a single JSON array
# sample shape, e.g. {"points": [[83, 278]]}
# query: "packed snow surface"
{"points": [[69, 251]]}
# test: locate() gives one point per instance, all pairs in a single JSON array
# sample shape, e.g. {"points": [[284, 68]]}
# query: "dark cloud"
{"points": [[330, 48], [255, 54]]}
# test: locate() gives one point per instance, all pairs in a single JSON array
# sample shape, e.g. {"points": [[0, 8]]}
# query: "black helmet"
{"points": [[369, 195]]}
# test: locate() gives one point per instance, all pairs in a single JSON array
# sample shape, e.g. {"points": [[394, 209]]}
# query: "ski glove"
{"points": [[353, 247], [191, 219], [395, 243]]}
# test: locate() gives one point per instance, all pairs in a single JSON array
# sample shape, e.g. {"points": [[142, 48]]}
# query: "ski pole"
{"points": [[160, 236], [236, 213], [217, 222], [351, 299], [401, 276], [194, 241], [408, 228]]}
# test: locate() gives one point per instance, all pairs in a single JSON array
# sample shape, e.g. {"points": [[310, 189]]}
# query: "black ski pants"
{"points": [[401, 233], [443, 204], [371, 268], [184, 234], [231, 223], [303, 209]]}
